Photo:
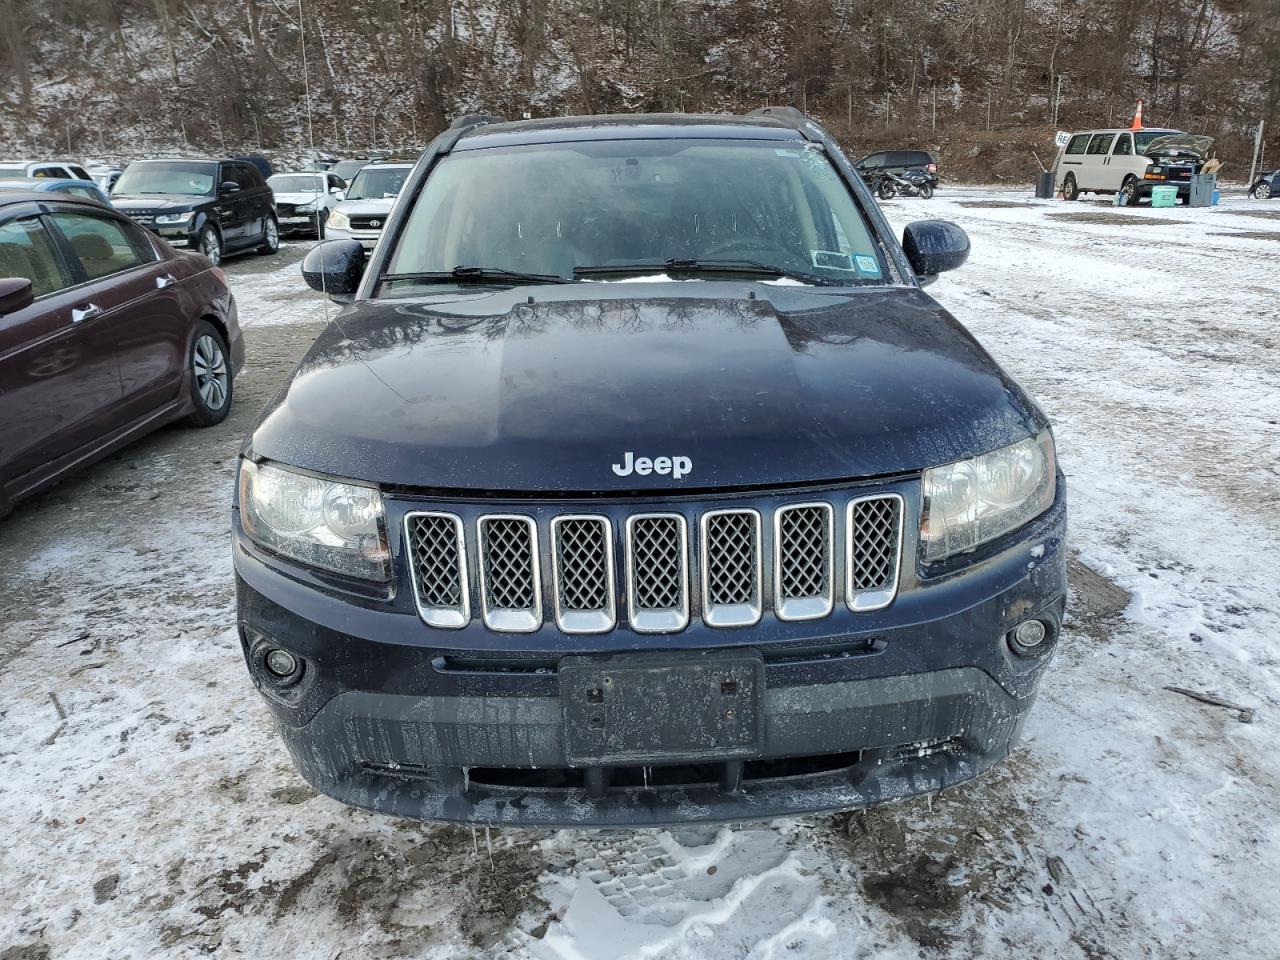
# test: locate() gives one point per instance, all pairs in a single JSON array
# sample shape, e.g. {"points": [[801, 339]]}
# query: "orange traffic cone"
{"points": [[1137, 117]]}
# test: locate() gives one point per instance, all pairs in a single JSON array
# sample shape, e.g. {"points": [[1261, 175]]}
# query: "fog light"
{"points": [[281, 663], [1030, 634]]}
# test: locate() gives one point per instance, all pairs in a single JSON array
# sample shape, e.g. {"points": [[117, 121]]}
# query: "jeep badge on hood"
{"points": [[676, 466]]}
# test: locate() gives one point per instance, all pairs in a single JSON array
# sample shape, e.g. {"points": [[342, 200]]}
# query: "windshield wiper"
{"points": [[740, 268], [466, 274]]}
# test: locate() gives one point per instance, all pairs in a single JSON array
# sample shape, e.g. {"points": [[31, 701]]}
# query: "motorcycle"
{"points": [[913, 183]]}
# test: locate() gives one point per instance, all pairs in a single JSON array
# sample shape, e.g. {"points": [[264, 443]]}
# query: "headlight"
{"points": [[972, 501], [336, 526], [173, 217], [340, 220], [305, 208]]}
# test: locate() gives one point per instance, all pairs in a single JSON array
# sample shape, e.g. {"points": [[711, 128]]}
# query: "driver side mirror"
{"points": [[338, 193], [933, 247], [15, 294], [228, 186], [335, 267]]}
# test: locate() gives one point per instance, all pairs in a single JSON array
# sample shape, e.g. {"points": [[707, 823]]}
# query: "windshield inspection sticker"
{"points": [[867, 264]]}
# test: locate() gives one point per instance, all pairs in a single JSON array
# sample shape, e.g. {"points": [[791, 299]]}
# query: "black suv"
{"points": [[898, 162], [216, 206], [639, 481]]}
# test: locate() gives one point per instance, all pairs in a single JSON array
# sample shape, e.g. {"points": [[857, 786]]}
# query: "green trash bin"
{"points": [[1164, 196]]}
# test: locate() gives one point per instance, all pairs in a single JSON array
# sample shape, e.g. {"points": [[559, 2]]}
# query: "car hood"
{"points": [[1179, 144], [358, 208], [129, 203], [486, 391]]}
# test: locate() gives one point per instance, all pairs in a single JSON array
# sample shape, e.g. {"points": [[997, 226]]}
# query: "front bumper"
{"points": [[393, 716], [298, 223], [368, 238]]}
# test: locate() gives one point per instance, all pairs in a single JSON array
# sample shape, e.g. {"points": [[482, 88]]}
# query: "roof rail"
{"points": [[475, 120]]}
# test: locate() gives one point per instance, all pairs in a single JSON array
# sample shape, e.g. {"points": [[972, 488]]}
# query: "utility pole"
{"points": [[1257, 145], [933, 116], [1057, 99], [306, 79]]}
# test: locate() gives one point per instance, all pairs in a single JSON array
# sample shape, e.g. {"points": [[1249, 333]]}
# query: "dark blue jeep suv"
{"points": [[638, 481]]}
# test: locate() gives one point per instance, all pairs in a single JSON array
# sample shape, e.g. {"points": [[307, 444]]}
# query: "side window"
{"points": [[1124, 145], [873, 161], [247, 176], [336, 183], [80, 173], [1079, 143], [140, 239], [1100, 143], [100, 244], [26, 250]]}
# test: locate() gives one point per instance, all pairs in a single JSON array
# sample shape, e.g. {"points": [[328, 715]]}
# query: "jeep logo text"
{"points": [[677, 467]]}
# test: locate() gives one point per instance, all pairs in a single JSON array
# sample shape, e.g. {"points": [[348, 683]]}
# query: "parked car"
{"points": [[303, 200], [1128, 161], [898, 162], [57, 169], [362, 214], [347, 169], [218, 207], [760, 531], [107, 178], [88, 189], [1266, 187], [262, 163], [106, 334]]}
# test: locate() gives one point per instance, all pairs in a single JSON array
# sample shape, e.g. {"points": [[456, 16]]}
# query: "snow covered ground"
{"points": [[147, 810]]}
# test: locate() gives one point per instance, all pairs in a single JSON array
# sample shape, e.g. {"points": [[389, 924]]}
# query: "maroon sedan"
{"points": [[106, 333]]}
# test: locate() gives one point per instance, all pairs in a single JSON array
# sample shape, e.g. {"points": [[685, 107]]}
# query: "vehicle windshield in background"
{"points": [[296, 183], [1143, 140], [550, 208], [13, 173], [177, 176], [377, 184], [346, 169]]}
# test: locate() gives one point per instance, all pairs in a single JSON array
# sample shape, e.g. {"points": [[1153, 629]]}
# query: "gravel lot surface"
{"points": [[148, 810]]}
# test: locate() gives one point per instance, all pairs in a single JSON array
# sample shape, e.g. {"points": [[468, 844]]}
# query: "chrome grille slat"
{"points": [[510, 588], [873, 551], [583, 560], [438, 562], [731, 568], [657, 572], [803, 555]]}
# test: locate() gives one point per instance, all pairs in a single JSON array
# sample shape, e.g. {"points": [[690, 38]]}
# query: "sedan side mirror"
{"points": [[228, 186], [933, 247], [15, 294], [335, 267]]}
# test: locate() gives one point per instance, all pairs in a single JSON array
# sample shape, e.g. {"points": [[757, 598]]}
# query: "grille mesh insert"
{"points": [[582, 564], [657, 557], [873, 547], [732, 558], [804, 538], [509, 581], [433, 545]]}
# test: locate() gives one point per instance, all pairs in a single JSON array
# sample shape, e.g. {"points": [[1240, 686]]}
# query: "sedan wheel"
{"points": [[1262, 191], [211, 384], [211, 245]]}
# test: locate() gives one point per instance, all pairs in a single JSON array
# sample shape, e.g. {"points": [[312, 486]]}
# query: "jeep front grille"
{"points": [[510, 592], [874, 551], [730, 568], [802, 566], [583, 562], [438, 562], [657, 572], [811, 559]]}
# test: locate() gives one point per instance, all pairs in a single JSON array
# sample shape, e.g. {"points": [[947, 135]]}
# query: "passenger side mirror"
{"points": [[15, 294], [933, 247], [335, 267], [339, 195], [228, 186]]}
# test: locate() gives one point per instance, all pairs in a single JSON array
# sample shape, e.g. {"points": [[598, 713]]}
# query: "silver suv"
{"points": [[370, 197]]}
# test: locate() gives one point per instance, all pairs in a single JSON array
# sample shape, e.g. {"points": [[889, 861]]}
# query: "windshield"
{"points": [[1143, 140], [12, 172], [377, 183], [296, 183], [551, 208], [346, 169], [184, 177]]}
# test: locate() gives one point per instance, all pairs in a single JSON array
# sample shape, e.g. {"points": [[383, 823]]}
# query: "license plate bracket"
{"points": [[661, 708]]}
